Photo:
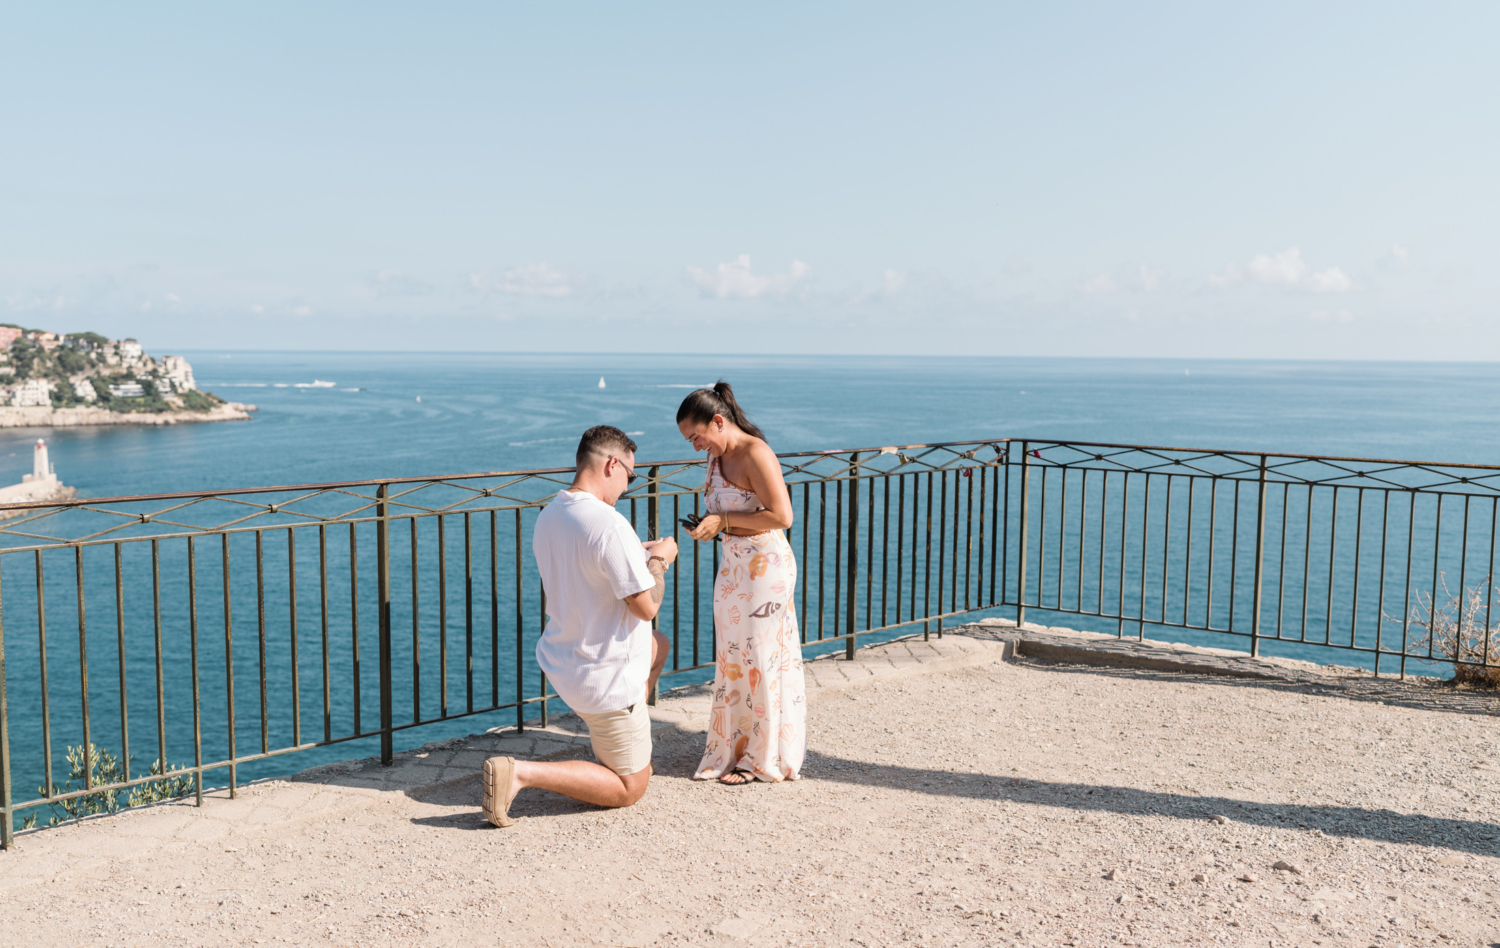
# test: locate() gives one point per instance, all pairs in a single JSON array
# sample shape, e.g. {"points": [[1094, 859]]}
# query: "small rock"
{"points": [[1113, 874], [1249, 877], [1451, 861], [1285, 866], [1219, 818], [1199, 877]]}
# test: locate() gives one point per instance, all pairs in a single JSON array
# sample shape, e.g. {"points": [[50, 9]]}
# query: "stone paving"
{"points": [[333, 787], [994, 785]]}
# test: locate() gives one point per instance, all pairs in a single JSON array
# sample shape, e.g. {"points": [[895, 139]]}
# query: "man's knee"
{"points": [[635, 786]]}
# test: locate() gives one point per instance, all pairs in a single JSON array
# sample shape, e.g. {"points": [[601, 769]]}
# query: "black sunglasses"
{"points": [[629, 472]]}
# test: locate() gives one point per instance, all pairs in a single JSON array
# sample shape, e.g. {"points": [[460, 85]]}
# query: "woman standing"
{"points": [[758, 728]]}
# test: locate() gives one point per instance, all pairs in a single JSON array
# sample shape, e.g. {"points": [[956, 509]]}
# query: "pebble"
{"points": [[1219, 818], [1249, 877], [1113, 874], [1285, 866], [1199, 877]]}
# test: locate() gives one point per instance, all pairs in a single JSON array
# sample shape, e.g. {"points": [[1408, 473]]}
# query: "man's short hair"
{"points": [[599, 442]]}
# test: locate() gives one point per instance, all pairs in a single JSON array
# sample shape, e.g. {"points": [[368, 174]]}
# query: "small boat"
{"points": [[601, 381], [419, 398]]}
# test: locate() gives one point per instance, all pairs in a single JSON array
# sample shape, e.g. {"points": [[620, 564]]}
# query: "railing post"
{"points": [[7, 818], [851, 599], [1260, 545], [1021, 556], [653, 532], [383, 572]]}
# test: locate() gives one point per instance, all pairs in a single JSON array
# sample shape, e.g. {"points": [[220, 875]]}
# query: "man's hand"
{"points": [[666, 548]]}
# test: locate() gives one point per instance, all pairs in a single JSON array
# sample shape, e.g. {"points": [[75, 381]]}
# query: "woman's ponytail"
{"points": [[701, 405]]}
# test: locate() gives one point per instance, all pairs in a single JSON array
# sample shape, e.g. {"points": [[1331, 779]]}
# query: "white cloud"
{"points": [[257, 308], [302, 311], [1283, 269], [395, 283], [1286, 269], [19, 303], [1397, 258], [736, 281], [1229, 277], [1332, 280], [532, 279], [173, 298], [1331, 316], [893, 282], [1141, 279], [1103, 283]]}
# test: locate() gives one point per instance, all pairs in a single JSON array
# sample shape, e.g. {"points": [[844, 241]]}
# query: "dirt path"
{"points": [[996, 804]]}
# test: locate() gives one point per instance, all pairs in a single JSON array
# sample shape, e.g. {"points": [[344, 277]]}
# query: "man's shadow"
{"points": [[677, 754]]}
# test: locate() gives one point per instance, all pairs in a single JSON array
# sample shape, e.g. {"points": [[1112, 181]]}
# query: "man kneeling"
{"points": [[604, 586]]}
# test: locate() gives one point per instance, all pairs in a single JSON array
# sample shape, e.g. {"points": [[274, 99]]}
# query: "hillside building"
{"points": [[177, 371], [32, 393]]}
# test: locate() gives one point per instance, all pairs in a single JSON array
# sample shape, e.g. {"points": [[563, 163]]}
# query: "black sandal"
{"points": [[737, 778]]}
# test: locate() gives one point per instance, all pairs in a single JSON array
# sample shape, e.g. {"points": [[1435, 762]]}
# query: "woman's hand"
{"points": [[709, 527]]}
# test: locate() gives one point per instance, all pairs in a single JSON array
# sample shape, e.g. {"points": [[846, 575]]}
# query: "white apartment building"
{"points": [[33, 393], [177, 370], [84, 389], [127, 390]]}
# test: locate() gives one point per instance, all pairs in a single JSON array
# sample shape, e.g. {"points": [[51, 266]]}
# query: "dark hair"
{"points": [[703, 404], [601, 441]]}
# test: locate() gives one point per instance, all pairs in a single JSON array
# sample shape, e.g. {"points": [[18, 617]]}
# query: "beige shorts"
{"points": [[621, 739]]}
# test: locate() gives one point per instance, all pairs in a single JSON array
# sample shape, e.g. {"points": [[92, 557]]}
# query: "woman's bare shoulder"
{"points": [[763, 459], [762, 454]]}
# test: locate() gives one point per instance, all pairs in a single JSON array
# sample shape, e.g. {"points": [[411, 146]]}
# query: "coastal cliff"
{"points": [[50, 379], [44, 417]]}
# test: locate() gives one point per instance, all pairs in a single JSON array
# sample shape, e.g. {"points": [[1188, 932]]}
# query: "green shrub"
{"points": [[200, 401], [105, 768]]}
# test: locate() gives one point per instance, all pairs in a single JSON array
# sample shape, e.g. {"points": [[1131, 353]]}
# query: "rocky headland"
{"points": [[50, 379], [43, 417]]}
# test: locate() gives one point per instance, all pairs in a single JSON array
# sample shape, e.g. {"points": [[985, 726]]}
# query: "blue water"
{"points": [[489, 412]]}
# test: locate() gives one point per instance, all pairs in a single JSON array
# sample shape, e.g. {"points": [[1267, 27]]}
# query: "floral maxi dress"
{"points": [[759, 718]]}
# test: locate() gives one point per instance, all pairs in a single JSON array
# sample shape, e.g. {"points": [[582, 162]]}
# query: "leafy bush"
{"points": [[200, 401], [72, 362], [105, 768]]}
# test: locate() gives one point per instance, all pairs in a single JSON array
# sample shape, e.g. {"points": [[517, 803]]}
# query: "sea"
{"points": [[393, 415], [331, 416]]}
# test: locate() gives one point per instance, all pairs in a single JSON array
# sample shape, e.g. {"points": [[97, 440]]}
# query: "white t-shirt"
{"points": [[595, 653]]}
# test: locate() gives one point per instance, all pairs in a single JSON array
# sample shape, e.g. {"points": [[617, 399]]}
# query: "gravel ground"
{"points": [[1019, 803]]}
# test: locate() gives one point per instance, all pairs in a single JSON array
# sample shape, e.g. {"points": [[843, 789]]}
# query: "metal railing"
{"points": [[200, 591]]}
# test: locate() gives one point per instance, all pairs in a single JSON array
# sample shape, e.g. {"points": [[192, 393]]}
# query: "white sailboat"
{"points": [[601, 381]]}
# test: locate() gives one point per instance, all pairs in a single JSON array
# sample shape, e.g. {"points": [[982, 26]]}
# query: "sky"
{"points": [[1273, 180]]}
